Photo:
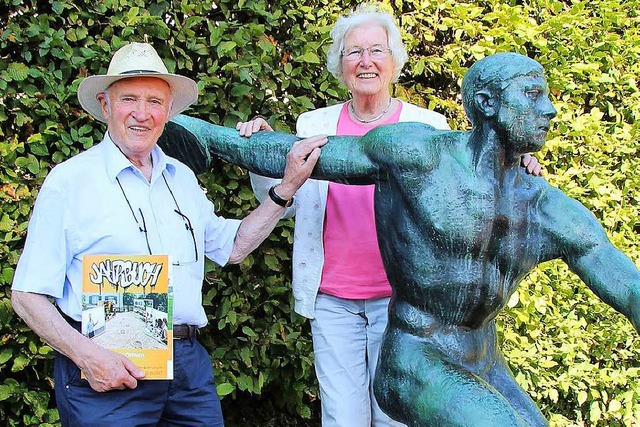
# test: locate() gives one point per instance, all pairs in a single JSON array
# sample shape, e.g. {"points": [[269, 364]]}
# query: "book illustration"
{"points": [[145, 326], [127, 308]]}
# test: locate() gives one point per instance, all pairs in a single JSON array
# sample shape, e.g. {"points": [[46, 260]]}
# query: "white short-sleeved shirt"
{"points": [[82, 209]]}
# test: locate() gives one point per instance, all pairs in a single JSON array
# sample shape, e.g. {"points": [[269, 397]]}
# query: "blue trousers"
{"points": [[190, 399]]}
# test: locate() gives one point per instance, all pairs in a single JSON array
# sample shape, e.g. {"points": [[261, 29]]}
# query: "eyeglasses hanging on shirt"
{"points": [[142, 225]]}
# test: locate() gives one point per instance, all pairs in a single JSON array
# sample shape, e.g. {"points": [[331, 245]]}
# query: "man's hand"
{"points": [[301, 160], [252, 126], [106, 370], [531, 164]]}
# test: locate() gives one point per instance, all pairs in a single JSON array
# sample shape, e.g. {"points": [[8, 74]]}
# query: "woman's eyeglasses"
{"points": [[375, 52]]}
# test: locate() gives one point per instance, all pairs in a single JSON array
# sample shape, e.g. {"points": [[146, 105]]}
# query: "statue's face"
{"points": [[525, 112]]}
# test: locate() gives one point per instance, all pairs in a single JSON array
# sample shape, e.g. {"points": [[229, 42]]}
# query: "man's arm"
{"points": [[608, 272], [344, 159], [104, 369], [256, 226]]}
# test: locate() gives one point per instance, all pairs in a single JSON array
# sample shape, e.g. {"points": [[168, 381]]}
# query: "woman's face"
{"points": [[367, 64]]}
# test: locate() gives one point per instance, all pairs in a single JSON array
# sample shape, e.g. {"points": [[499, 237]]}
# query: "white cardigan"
{"points": [[311, 199]]}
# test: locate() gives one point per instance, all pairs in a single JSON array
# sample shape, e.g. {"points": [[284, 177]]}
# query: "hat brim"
{"points": [[183, 90]]}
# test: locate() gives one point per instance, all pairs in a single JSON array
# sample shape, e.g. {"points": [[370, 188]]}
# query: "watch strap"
{"points": [[279, 200]]}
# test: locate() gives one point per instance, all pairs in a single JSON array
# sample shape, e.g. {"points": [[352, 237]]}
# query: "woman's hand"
{"points": [[531, 164], [247, 129]]}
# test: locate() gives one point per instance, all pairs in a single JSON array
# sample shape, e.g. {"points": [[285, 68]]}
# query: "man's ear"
{"points": [[485, 103], [102, 99]]}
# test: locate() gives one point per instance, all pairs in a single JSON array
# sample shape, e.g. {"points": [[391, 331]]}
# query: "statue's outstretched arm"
{"points": [[613, 277], [608, 272], [264, 153], [194, 142]]}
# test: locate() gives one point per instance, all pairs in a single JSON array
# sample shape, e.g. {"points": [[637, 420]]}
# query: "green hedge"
{"points": [[577, 357]]}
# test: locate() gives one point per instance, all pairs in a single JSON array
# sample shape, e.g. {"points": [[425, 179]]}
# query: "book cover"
{"points": [[127, 306]]}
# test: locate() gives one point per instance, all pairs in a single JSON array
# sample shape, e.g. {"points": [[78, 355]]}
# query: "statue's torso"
{"points": [[455, 244]]}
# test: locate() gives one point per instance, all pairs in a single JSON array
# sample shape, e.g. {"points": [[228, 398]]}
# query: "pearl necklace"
{"points": [[355, 116]]}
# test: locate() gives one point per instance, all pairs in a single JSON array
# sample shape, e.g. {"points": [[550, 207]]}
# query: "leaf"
{"points": [[45, 350], [232, 317], [614, 406], [224, 389], [310, 57], [272, 262], [249, 332], [18, 71], [5, 355], [57, 7], [582, 396], [225, 47], [240, 90], [245, 355], [6, 223], [594, 412], [19, 363], [6, 392], [245, 383]]}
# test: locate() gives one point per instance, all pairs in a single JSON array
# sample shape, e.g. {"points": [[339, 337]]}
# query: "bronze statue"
{"points": [[459, 225]]}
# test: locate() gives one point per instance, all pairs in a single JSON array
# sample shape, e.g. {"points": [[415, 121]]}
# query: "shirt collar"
{"points": [[116, 162]]}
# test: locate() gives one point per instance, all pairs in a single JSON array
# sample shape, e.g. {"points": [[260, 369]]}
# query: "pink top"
{"points": [[352, 261]]}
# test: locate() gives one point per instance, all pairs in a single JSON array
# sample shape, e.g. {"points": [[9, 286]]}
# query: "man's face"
{"points": [[525, 112], [136, 110]]}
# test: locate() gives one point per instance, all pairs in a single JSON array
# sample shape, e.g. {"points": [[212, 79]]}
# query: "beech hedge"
{"points": [[577, 357]]}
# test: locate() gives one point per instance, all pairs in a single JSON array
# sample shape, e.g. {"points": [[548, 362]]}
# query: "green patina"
{"points": [[459, 226]]}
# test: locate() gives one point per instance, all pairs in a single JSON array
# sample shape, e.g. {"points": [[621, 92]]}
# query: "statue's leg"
{"points": [[501, 378], [417, 385]]}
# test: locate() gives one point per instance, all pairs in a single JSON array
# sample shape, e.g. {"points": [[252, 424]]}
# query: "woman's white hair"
{"points": [[366, 14]]}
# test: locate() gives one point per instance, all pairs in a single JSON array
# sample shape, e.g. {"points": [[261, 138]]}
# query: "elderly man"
{"points": [[125, 196], [459, 225]]}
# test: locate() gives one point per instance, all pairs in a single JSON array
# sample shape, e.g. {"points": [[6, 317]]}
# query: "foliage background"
{"points": [[575, 356]]}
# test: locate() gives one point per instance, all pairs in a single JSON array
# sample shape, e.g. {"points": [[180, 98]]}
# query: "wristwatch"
{"points": [[279, 200]]}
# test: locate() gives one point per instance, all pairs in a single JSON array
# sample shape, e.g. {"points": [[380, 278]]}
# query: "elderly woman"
{"points": [[338, 278]]}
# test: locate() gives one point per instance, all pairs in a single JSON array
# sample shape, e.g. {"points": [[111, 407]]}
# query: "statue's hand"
{"points": [[532, 165], [301, 160], [252, 126]]}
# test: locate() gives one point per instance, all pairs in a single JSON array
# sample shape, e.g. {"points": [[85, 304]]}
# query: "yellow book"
{"points": [[127, 307]]}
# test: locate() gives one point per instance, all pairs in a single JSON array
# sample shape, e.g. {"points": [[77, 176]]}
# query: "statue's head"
{"points": [[509, 91]]}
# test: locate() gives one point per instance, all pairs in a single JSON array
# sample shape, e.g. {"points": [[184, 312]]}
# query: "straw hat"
{"points": [[136, 60]]}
